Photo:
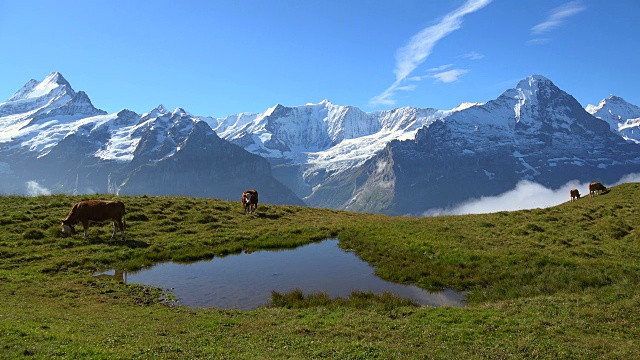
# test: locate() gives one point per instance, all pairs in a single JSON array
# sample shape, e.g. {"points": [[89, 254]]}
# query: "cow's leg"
{"points": [[121, 227], [115, 229], [85, 225]]}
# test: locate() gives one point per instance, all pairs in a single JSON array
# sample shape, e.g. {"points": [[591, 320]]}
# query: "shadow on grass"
{"points": [[132, 244], [269, 216]]}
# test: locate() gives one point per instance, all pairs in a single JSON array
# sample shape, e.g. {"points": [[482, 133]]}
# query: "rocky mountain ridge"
{"points": [[53, 136], [400, 161]]}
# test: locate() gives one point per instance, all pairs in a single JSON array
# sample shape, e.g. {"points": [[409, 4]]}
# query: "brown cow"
{"points": [[250, 201], [89, 211], [596, 188], [575, 194]]}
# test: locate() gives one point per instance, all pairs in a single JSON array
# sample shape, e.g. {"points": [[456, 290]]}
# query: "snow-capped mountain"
{"points": [[55, 137], [308, 144], [622, 117], [400, 161], [322, 131], [535, 131], [317, 148]]}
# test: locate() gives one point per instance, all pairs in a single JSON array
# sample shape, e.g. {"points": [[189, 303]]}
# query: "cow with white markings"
{"points": [[250, 201], [596, 188]]}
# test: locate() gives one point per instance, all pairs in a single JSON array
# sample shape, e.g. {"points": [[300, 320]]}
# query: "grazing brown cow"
{"points": [[250, 201], [575, 194], [89, 211], [596, 188]]}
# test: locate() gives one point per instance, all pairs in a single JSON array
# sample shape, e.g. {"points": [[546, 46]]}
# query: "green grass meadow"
{"points": [[555, 283]]}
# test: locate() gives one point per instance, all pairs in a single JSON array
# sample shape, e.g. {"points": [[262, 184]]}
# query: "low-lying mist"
{"points": [[35, 189], [526, 195]]}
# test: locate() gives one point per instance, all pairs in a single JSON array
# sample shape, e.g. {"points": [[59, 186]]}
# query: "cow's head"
{"points": [[247, 198], [67, 227]]}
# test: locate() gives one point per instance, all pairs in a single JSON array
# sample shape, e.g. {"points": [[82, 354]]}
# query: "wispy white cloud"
{"points": [[409, 57], [406, 88], [440, 75], [557, 17], [473, 55], [441, 67], [385, 98], [450, 76], [538, 41]]}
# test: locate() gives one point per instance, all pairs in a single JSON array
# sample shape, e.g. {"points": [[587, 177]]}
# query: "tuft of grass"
{"points": [[33, 234], [296, 299]]}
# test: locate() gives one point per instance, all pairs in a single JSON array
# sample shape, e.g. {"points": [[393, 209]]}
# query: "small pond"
{"points": [[245, 281]]}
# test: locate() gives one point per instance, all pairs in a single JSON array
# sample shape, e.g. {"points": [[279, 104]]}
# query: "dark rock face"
{"points": [[535, 132], [207, 166], [65, 145], [487, 150]]}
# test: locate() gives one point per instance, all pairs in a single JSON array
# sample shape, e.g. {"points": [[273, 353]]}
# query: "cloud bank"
{"points": [[409, 57], [526, 195], [35, 189]]}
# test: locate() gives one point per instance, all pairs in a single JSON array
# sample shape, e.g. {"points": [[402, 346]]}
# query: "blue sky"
{"points": [[218, 58]]}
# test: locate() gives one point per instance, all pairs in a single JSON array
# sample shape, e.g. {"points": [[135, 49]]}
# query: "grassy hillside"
{"points": [[554, 283]]}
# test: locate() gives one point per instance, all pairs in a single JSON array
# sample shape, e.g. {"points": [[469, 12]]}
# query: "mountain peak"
{"points": [[273, 111], [82, 96], [615, 99], [612, 100], [323, 102], [179, 111], [158, 111], [34, 89], [56, 78], [530, 89], [531, 82]]}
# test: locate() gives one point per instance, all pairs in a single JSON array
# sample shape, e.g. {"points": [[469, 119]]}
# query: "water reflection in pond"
{"points": [[245, 281]]}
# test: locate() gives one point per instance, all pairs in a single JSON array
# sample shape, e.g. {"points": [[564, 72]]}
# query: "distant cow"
{"points": [[575, 194], [250, 201], [596, 188], [89, 211]]}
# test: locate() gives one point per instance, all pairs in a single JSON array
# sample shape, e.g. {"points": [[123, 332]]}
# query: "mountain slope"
{"points": [[400, 161], [535, 131], [622, 117], [309, 144], [55, 137], [222, 170]]}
